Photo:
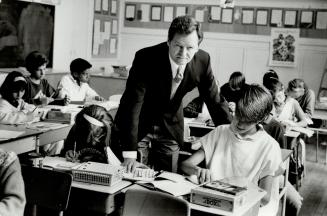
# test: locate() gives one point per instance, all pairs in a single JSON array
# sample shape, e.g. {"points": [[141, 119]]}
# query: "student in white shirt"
{"points": [[242, 149], [75, 85]]}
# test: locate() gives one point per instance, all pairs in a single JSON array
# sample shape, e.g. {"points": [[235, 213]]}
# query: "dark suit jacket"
{"points": [[146, 100]]}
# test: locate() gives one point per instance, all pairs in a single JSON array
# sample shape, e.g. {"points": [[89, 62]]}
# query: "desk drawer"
{"points": [[21, 145]]}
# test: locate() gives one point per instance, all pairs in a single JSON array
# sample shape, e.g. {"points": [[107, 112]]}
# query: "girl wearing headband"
{"points": [[89, 136], [13, 109]]}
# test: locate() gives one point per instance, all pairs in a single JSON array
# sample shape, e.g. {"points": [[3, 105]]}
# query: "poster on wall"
{"points": [[284, 47]]}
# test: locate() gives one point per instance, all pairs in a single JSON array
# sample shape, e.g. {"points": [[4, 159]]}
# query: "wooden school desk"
{"points": [[25, 142]]}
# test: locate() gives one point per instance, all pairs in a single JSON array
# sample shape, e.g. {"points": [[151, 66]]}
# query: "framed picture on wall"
{"points": [[262, 17], [155, 13], [214, 14], [306, 19], [130, 12], [247, 16], [290, 18], [276, 18], [227, 15]]}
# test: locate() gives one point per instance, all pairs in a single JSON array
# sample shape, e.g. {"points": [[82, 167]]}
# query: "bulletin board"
{"points": [[239, 20], [25, 27], [105, 29]]}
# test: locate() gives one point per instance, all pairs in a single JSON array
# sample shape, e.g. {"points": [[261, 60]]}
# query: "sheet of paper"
{"points": [[114, 27], [276, 17], [290, 18], [145, 8], [107, 28], [105, 5], [215, 13], [97, 5], [227, 15], [247, 16], [130, 12], [9, 134], [168, 14], [180, 11], [262, 17], [156, 13], [199, 15], [306, 17], [321, 20], [112, 45], [113, 7]]}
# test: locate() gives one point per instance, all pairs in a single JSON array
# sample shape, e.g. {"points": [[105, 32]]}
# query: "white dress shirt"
{"points": [[69, 86]]}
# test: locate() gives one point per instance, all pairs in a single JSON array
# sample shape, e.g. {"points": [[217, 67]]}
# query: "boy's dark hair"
{"points": [[79, 65], [34, 60], [269, 74], [9, 85], [184, 25], [297, 83], [254, 105], [236, 80]]}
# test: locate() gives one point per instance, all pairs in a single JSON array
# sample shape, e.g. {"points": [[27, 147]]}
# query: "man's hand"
{"points": [[130, 164], [66, 100], [204, 175]]}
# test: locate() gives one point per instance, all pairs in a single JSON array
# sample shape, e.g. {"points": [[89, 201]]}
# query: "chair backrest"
{"points": [[150, 203], [47, 188]]}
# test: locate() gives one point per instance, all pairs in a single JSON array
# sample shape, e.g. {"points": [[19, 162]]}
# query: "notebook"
{"points": [[172, 183], [98, 173]]}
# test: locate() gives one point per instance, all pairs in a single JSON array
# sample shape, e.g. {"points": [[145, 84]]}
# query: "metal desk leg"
{"points": [[317, 146], [37, 144]]}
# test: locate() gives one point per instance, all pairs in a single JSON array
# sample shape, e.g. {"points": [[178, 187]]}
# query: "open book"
{"points": [[172, 183]]}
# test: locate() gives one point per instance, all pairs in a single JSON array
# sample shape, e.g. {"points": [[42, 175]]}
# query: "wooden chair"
{"points": [[46, 188], [150, 203]]}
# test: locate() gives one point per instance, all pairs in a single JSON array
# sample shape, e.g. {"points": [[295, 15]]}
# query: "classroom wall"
{"points": [[246, 53], [229, 52]]}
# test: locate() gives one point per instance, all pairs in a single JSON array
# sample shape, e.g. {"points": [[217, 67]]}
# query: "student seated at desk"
{"points": [[12, 193], [242, 149], [39, 91], [286, 109], [75, 85], [89, 136], [13, 109]]}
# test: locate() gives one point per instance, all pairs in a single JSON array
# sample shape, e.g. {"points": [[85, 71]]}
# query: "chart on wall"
{"points": [[105, 29], [25, 27]]}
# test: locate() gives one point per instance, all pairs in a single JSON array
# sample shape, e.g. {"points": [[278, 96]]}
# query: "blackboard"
{"points": [[25, 27]]}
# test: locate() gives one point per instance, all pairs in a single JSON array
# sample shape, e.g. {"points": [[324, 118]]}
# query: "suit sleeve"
{"points": [[209, 91], [127, 118]]}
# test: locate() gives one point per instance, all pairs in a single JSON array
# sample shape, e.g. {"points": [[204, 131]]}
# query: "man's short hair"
{"points": [[254, 105], [185, 25], [79, 65], [34, 60]]}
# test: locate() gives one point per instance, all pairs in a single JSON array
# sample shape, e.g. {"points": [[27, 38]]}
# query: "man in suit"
{"points": [[151, 110]]}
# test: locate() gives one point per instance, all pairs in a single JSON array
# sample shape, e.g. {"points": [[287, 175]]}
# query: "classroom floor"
{"points": [[314, 185]]}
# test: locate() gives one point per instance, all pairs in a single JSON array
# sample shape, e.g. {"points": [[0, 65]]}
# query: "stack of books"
{"points": [[220, 195]]}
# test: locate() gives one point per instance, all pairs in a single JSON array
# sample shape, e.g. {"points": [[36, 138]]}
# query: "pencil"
{"points": [[53, 93], [74, 149], [34, 109]]}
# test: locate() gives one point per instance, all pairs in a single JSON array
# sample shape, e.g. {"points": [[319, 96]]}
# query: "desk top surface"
{"points": [[320, 114], [27, 132]]}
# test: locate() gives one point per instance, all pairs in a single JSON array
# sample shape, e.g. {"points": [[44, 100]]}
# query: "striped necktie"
{"points": [[179, 75]]}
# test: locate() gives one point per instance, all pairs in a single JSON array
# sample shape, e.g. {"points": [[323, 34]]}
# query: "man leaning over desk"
{"points": [[151, 107]]}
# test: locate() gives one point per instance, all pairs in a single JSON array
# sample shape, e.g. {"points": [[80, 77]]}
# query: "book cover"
{"points": [[225, 187]]}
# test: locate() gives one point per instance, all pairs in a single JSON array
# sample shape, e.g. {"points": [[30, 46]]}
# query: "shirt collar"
{"points": [[174, 66], [248, 137]]}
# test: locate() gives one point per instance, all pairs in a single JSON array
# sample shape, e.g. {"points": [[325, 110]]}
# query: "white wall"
{"points": [[229, 52]]}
